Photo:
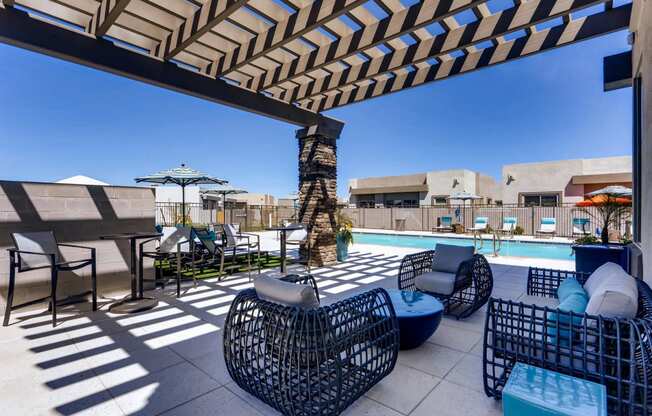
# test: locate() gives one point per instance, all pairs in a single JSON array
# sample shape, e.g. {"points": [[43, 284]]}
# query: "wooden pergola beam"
{"points": [[393, 26], [209, 15], [18, 29], [107, 13], [574, 31], [299, 23], [490, 28]]}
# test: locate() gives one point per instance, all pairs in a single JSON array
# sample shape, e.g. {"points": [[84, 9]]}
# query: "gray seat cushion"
{"points": [[286, 293], [447, 258], [436, 282]]}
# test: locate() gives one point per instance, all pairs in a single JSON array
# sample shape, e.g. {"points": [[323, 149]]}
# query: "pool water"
{"points": [[556, 251]]}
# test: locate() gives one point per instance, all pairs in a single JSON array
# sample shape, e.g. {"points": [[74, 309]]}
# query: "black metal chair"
{"points": [[175, 246], [40, 250], [614, 352], [310, 361], [472, 287]]}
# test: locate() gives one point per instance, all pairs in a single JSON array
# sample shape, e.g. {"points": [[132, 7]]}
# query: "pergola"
{"points": [[293, 59]]}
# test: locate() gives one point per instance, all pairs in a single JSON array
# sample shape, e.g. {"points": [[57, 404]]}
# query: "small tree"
{"points": [[344, 228], [609, 209]]}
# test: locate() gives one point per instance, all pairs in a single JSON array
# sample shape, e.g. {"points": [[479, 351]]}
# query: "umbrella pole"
{"points": [[183, 204]]}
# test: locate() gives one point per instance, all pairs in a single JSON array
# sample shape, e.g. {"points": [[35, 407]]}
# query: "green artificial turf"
{"points": [[230, 267]]}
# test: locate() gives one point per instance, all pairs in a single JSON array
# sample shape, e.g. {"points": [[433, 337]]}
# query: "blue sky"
{"points": [[59, 120]]}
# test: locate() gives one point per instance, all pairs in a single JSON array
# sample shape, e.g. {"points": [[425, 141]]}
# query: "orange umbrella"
{"points": [[602, 200]]}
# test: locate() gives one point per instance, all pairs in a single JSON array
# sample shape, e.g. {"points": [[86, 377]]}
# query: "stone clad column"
{"points": [[318, 190]]}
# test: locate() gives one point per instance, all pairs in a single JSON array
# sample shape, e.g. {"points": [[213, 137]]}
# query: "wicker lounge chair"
{"points": [[581, 227], [40, 250], [453, 274], [509, 225], [615, 352], [308, 359], [479, 225]]}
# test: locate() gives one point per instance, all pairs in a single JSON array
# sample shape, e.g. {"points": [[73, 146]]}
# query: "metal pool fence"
{"points": [[250, 218], [258, 217], [528, 218]]}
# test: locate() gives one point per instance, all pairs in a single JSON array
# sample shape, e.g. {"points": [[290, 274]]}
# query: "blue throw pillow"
{"points": [[575, 303], [568, 287]]}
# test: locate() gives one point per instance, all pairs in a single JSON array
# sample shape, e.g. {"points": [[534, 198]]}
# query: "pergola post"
{"points": [[318, 190]]}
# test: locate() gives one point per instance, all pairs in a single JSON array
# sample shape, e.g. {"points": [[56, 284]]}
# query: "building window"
{"points": [[366, 201], [540, 200], [402, 200], [439, 200]]}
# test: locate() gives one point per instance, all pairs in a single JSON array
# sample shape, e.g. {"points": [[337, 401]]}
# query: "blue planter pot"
{"points": [[589, 257], [342, 249]]}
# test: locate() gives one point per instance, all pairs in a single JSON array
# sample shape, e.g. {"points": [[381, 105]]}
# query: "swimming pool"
{"points": [[557, 251]]}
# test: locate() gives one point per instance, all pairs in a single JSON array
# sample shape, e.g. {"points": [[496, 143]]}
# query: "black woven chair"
{"points": [[40, 250], [614, 352], [473, 283], [310, 361]]}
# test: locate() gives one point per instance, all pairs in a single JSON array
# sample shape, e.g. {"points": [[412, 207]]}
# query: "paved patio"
{"points": [[169, 360]]}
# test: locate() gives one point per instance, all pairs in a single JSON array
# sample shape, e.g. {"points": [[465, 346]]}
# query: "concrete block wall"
{"points": [[78, 214]]}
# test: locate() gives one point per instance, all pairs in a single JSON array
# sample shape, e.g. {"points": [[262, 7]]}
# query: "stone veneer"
{"points": [[318, 192]]}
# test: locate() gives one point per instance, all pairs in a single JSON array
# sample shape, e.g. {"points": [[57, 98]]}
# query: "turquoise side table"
{"points": [[533, 391]]}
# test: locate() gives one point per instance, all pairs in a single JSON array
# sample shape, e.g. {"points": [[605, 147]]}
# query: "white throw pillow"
{"points": [[601, 274], [615, 297]]}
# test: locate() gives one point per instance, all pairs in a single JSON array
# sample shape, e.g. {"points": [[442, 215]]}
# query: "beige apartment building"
{"points": [[429, 188], [562, 181], [539, 184]]}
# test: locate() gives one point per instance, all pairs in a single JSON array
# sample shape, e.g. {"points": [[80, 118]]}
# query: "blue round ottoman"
{"points": [[418, 316]]}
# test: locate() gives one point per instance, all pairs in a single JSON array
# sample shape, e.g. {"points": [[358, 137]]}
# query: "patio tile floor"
{"points": [[169, 360]]}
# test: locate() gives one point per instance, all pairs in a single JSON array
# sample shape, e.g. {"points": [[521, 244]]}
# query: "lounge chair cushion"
{"points": [[286, 293], [615, 297], [447, 257], [603, 273], [569, 287], [442, 283]]}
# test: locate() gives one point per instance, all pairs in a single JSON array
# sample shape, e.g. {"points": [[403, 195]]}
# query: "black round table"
{"points": [[284, 231], [418, 314], [136, 302]]}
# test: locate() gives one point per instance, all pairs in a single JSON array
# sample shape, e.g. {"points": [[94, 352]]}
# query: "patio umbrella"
{"points": [[224, 191], [616, 190], [465, 196], [182, 176], [602, 199]]}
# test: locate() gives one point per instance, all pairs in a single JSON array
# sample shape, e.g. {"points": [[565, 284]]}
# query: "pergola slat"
{"points": [[17, 28], [395, 25], [303, 21], [105, 16], [495, 26], [574, 31], [204, 19]]}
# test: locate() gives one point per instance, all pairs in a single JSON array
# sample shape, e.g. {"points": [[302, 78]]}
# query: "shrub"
{"points": [[587, 239], [518, 230]]}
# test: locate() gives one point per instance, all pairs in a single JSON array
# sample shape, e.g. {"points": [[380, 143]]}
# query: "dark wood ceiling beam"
{"points": [[107, 13]]}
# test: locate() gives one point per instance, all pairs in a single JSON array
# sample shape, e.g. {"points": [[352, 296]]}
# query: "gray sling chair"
{"points": [[175, 246], [237, 241], [40, 250]]}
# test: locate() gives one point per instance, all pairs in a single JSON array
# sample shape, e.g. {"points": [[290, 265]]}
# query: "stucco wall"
{"points": [[78, 214], [555, 176], [641, 24]]}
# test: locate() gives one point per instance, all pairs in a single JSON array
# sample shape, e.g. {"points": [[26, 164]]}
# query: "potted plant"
{"points": [[606, 208], [343, 235]]}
